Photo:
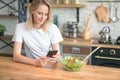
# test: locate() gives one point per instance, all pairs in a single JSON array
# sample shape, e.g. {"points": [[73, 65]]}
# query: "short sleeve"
{"points": [[55, 34], [18, 34]]}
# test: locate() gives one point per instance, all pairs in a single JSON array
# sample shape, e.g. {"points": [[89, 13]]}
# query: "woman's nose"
{"points": [[43, 16]]}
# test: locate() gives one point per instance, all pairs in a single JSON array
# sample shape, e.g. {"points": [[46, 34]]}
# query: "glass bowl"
{"points": [[72, 63]]}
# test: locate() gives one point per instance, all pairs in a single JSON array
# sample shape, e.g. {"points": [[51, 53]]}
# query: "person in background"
{"points": [[37, 36]]}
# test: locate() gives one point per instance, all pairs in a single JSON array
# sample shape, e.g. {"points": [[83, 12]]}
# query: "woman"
{"points": [[38, 35]]}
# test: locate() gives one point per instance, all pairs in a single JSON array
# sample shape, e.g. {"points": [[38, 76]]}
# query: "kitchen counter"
{"points": [[10, 70], [82, 42], [74, 41]]}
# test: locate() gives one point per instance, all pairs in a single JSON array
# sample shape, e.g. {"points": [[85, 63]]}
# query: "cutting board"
{"points": [[102, 14]]}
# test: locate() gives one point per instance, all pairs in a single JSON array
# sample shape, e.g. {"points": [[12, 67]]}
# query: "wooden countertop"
{"points": [[10, 70], [82, 42], [75, 42]]}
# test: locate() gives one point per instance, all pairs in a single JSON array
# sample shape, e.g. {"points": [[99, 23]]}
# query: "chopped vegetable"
{"points": [[72, 63]]}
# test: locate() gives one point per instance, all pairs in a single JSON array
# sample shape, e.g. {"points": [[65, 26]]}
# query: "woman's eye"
{"points": [[40, 13], [46, 14]]}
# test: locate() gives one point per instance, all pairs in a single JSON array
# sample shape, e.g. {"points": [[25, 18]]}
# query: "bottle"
{"points": [[55, 20], [86, 34]]}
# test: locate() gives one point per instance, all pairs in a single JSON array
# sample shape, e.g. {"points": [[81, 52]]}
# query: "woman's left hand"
{"points": [[52, 60]]}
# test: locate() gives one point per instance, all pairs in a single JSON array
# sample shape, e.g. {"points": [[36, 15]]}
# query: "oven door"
{"points": [[108, 57]]}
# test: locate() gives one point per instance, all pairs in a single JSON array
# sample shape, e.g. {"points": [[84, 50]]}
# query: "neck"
{"points": [[37, 26]]}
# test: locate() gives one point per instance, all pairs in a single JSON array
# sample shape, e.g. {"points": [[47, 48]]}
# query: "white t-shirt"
{"points": [[36, 42]]}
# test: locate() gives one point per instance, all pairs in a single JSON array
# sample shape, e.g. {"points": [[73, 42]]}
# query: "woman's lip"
{"points": [[41, 21]]}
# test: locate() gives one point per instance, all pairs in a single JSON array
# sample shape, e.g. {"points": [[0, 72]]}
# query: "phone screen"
{"points": [[51, 53]]}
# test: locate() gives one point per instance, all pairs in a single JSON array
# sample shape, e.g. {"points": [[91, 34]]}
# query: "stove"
{"points": [[108, 57], [111, 42]]}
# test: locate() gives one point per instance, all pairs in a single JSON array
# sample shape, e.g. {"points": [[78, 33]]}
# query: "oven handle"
{"points": [[101, 57]]}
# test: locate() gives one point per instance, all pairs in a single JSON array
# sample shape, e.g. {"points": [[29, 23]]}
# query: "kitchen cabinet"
{"points": [[72, 50], [89, 43], [107, 53], [75, 50]]}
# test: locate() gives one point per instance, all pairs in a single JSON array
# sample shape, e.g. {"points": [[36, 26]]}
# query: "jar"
{"points": [[56, 1], [66, 1], [71, 30], [77, 1]]}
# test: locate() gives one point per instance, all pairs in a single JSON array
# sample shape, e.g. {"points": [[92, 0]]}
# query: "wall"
{"points": [[69, 14]]}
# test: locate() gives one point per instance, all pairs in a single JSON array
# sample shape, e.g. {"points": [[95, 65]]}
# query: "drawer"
{"points": [[76, 50]]}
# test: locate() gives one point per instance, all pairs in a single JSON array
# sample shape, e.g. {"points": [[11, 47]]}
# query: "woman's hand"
{"points": [[45, 60], [42, 61], [52, 60]]}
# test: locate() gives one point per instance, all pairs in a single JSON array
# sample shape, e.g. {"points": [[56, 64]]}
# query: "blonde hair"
{"points": [[34, 6]]}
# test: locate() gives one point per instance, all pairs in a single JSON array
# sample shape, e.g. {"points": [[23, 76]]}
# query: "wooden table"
{"points": [[10, 70]]}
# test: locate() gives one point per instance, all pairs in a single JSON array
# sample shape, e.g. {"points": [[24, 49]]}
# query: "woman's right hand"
{"points": [[42, 61]]}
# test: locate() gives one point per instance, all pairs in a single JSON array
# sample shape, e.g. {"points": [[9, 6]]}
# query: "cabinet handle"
{"points": [[112, 52], [101, 57], [75, 50]]}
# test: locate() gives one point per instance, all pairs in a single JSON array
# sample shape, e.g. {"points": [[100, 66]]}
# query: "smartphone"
{"points": [[51, 53]]}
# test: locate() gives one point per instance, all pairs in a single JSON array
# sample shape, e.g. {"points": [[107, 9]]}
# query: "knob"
{"points": [[112, 52], [101, 51]]}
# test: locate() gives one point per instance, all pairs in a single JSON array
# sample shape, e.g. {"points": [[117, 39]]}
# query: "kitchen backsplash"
{"points": [[69, 14]]}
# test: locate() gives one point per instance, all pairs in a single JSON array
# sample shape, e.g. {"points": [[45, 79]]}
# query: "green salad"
{"points": [[72, 63]]}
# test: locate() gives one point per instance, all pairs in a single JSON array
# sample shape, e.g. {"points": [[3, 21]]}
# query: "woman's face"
{"points": [[40, 14]]}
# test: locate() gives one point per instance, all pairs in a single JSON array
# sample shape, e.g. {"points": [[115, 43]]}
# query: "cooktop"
{"points": [[111, 42]]}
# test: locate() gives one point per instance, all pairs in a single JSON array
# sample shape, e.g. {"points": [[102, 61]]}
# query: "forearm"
{"points": [[17, 56], [24, 59], [55, 46]]}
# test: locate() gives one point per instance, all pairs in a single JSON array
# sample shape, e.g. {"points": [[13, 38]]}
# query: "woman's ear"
{"points": [[31, 12]]}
